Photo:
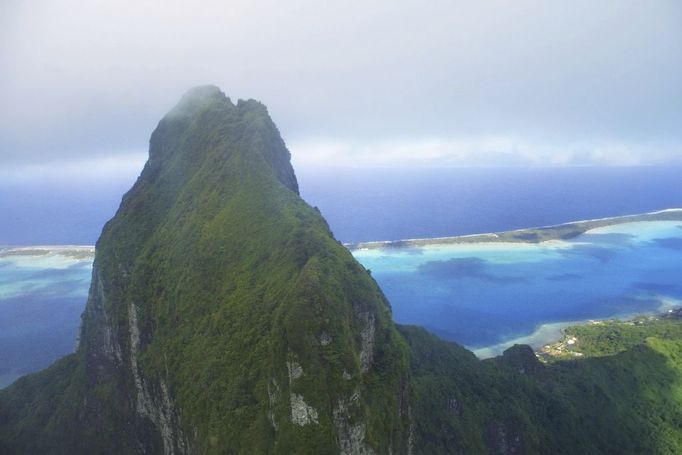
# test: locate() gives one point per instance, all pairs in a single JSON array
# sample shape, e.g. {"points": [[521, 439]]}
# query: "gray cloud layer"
{"points": [[564, 82]]}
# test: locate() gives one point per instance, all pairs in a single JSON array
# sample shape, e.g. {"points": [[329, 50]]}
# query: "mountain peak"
{"points": [[204, 92], [222, 311], [205, 126], [199, 98]]}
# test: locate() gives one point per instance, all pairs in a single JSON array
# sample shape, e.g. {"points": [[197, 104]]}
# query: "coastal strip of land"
{"points": [[554, 340], [563, 231], [609, 337]]}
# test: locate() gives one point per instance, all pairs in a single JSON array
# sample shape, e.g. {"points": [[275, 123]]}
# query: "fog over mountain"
{"points": [[387, 83]]}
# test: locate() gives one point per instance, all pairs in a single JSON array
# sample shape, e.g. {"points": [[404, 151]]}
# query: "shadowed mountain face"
{"points": [[223, 317]]}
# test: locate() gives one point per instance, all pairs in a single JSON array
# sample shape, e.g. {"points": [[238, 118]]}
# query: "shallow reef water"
{"points": [[41, 299], [488, 296], [485, 296]]}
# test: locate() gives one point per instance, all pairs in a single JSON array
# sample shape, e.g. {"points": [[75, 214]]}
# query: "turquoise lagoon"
{"points": [[488, 296], [43, 291]]}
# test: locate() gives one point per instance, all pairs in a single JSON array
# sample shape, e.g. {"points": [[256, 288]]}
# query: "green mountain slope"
{"points": [[224, 317]]}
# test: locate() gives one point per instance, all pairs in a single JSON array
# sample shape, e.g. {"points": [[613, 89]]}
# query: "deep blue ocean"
{"points": [[483, 297], [376, 204], [389, 204]]}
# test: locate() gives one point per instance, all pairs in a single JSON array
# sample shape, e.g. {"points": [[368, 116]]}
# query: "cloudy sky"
{"points": [[351, 83]]}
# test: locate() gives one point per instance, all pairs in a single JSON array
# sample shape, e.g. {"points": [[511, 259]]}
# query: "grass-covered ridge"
{"points": [[224, 317]]}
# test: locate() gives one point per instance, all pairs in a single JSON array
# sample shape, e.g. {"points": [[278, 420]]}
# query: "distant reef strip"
{"points": [[72, 251], [563, 231]]}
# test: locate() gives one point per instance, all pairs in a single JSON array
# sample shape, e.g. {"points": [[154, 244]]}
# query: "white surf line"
{"points": [[48, 247], [544, 334], [552, 332], [8, 250]]}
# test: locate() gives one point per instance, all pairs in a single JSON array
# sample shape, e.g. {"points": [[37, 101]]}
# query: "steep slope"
{"points": [[223, 317]]}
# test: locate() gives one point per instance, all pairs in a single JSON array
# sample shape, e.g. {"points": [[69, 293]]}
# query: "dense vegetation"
{"points": [[627, 403], [237, 277], [233, 282], [604, 338], [224, 318]]}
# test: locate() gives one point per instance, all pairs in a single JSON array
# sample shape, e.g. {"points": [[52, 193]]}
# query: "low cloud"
{"points": [[124, 165], [480, 151], [529, 82]]}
